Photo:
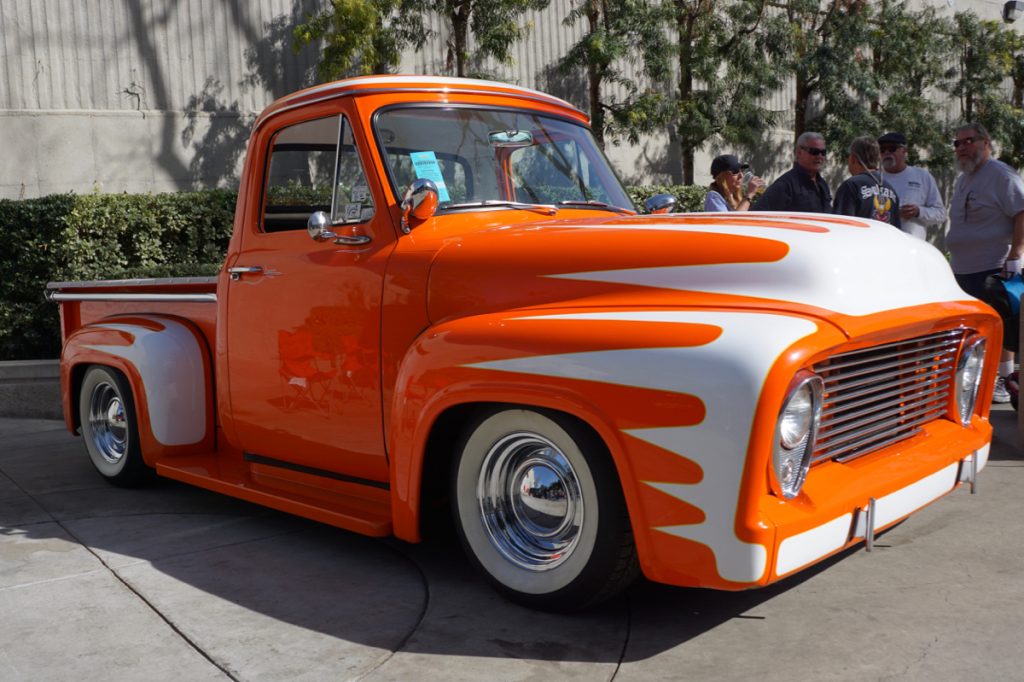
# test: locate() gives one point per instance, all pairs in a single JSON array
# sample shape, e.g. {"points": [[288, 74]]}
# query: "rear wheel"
{"points": [[539, 509], [110, 428]]}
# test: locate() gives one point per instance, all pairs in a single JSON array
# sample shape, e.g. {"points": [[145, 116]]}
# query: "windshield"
{"points": [[487, 155]]}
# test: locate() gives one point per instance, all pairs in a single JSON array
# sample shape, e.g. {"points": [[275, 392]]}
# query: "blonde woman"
{"points": [[727, 192]]}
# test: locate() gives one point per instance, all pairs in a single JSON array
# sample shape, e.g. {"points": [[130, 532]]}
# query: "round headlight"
{"points": [[968, 377], [794, 433]]}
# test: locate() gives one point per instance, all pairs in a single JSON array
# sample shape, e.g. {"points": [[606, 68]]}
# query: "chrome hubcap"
{"points": [[530, 501], [107, 420]]}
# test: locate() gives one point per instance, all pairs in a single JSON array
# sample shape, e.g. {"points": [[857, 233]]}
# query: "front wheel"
{"points": [[539, 509], [110, 428]]}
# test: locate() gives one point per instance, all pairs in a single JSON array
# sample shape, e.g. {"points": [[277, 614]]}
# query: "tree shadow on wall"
{"points": [[218, 129]]}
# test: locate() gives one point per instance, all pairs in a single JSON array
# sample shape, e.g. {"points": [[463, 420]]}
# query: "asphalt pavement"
{"points": [[180, 584]]}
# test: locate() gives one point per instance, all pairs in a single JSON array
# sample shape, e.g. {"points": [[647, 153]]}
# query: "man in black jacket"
{"points": [[801, 188], [865, 193]]}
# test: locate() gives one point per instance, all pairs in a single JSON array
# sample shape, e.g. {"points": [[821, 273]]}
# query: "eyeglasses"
{"points": [[890, 148], [814, 151], [966, 140]]}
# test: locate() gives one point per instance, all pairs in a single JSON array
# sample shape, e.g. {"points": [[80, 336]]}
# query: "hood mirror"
{"points": [[660, 203]]}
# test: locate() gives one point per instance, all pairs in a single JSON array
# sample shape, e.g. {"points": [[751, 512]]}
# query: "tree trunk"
{"points": [[458, 15], [684, 28], [803, 97], [594, 77]]}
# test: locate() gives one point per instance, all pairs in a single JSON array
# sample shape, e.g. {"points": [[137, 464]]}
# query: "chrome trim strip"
{"points": [[894, 419], [879, 409], [917, 360], [313, 471], [949, 345], [904, 378], [178, 298], [872, 394]]}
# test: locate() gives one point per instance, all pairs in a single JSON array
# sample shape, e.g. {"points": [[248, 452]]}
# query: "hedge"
{"points": [[98, 236], [66, 237]]}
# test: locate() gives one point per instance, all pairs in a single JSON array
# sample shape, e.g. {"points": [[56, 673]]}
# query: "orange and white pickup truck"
{"points": [[438, 291]]}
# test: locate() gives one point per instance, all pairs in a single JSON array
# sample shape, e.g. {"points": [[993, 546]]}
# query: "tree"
{"points": [[362, 36], [987, 80], [727, 57], [831, 67], [910, 53], [617, 34], [495, 25]]}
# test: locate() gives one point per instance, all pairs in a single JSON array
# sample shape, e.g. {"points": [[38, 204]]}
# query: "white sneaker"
{"points": [[1000, 394]]}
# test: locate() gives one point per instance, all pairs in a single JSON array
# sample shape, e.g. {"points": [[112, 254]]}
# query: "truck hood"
{"points": [[832, 267]]}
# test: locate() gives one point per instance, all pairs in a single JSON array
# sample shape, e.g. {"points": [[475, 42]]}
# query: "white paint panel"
{"points": [[895, 506], [837, 270], [727, 374], [170, 363], [804, 548]]}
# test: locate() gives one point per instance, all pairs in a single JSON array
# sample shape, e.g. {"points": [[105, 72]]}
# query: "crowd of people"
{"points": [[986, 213]]}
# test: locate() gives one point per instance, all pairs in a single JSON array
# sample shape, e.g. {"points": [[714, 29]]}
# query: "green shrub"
{"points": [[689, 198], [99, 236]]}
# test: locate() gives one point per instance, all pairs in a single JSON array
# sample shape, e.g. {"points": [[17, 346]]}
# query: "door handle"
{"points": [[236, 273]]}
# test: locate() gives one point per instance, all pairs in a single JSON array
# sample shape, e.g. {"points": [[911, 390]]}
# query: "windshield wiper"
{"points": [[547, 209], [596, 204]]}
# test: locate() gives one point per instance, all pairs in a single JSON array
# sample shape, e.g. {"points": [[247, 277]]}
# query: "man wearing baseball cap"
{"points": [[921, 206]]}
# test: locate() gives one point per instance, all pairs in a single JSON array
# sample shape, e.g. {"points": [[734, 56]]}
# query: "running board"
{"points": [[358, 514]]}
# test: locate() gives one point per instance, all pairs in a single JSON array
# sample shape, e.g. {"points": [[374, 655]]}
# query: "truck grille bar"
{"points": [[878, 396]]}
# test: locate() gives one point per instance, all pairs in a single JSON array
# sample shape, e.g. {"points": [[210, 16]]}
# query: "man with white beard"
{"points": [[920, 202], [986, 223]]}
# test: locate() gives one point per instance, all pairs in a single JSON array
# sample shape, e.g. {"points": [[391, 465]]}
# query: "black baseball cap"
{"points": [[893, 138], [727, 162]]}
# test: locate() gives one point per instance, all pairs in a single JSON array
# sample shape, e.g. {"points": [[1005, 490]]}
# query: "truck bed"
{"points": [[87, 302]]}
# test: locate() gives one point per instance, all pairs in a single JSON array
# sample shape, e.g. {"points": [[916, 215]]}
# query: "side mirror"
{"points": [[660, 203], [420, 202], [318, 227]]}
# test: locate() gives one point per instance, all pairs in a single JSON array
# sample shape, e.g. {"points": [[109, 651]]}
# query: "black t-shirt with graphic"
{"points": [[868, 195]]}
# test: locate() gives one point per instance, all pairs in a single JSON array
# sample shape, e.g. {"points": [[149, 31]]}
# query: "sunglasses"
{"points": [[814, 151], [889, 148], [965, 140]]}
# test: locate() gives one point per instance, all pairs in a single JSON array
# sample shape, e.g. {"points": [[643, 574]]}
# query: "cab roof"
{"points": [[412, 83]]}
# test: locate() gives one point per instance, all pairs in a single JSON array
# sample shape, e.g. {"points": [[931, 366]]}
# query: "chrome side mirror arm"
{"points": [[319, 230]]}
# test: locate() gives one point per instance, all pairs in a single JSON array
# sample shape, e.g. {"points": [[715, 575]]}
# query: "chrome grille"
{"points": [[884, 394]]}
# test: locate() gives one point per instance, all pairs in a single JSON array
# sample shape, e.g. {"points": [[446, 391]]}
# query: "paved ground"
{"points": [[174, 583]]}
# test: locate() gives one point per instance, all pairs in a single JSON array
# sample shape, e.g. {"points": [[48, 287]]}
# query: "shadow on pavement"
{"points": [[238, 578]]}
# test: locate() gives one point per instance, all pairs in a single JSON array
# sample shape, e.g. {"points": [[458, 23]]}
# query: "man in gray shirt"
{"points": [[920, 202], [986, 222]]}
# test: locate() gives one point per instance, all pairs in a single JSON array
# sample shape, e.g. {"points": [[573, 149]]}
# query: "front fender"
{"points": [[673, 393], [167, 363]]}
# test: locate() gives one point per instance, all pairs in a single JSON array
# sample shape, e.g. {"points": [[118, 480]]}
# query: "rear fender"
{"points": [[167, 363]]}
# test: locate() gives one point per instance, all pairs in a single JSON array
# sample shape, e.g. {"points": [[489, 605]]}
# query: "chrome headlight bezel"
{"points": [[791, 456], [970, 366]]}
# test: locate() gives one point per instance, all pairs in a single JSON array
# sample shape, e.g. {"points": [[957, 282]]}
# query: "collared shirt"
{"points": [[795, 191]]}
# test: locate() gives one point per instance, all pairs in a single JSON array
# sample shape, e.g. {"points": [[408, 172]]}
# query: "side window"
{"points": [[308, 171], [352, 200]]}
